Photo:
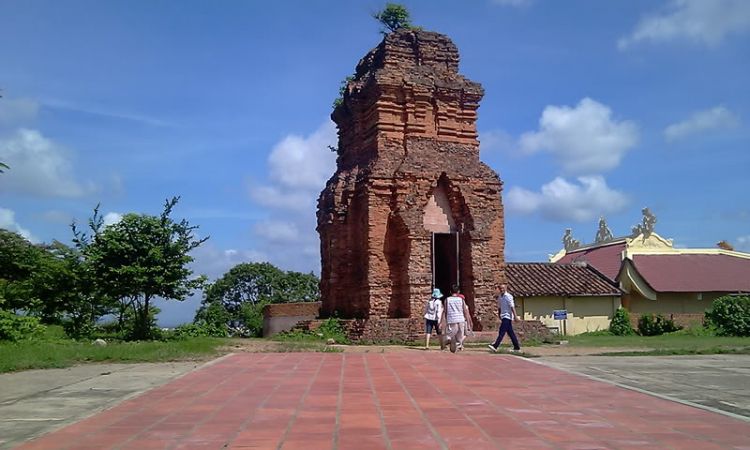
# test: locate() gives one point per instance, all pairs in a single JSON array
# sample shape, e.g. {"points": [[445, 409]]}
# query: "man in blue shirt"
{"points": [[506, 309]]}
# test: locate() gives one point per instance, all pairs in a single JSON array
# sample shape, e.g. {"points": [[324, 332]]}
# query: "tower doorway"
{"points": [[445, 258]]}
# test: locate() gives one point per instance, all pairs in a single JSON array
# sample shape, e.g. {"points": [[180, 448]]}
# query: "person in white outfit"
{"points": [[456, 317], [432, 314]]}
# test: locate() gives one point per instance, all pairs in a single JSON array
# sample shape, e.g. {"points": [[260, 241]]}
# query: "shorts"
{"points": [[430, 324]]}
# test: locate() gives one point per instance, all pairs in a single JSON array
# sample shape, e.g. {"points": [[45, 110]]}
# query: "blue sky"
{"points": [[592, 108]]}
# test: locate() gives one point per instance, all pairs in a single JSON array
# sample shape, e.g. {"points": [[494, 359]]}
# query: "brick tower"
{"points": [[410, 205]]}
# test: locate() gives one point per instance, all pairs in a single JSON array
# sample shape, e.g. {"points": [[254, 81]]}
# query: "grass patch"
{"points": [[685, 340], [683, 351], [37, 354]]}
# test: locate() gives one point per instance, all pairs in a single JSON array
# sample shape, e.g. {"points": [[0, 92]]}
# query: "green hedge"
{"points": [[655, 325]]}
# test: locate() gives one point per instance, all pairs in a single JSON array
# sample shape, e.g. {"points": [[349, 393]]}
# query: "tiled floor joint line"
{"points": [[435, 434], [454, 380], [377, 403], [293, 419], [280, 382], [337, 427]]}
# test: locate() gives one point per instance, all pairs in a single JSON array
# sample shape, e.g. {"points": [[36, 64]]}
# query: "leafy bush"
{"points": [[252, 317], [655, 325], [79, 328], [332, 328], [15, 328], [191, 330], [730, 316], [620, 325]]}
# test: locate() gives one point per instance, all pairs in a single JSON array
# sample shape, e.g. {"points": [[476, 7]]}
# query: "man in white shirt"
{"points": [[506, 309]]}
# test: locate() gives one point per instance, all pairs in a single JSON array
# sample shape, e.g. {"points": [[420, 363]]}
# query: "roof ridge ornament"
{"points": [[604, 234], [646, 227], [569, 242]]}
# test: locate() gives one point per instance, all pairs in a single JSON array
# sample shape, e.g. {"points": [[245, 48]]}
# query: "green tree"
{"points": [[250, 283], [19, 264], [246, 288], [393, 17], [143, 257]]}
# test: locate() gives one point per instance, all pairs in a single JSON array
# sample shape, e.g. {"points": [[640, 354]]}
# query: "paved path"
{"points": [[716, 381], [38, 401], [394, 401]]}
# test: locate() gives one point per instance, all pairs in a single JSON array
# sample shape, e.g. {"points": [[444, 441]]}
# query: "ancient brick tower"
{"points": [[410, 205]]}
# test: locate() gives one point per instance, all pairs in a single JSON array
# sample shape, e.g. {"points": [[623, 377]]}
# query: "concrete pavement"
{"points": [[38, 401], [715, 381]]}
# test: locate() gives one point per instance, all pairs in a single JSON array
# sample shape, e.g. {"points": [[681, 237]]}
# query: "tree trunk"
{"points": [[145, 325]]}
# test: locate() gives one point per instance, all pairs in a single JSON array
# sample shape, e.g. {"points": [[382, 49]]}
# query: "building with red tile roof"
{"points": [[589, 297], [659, 278]]}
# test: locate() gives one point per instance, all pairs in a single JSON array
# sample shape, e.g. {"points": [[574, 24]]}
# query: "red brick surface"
{"points": [[394, 401], [298, 309], [408, 148]]}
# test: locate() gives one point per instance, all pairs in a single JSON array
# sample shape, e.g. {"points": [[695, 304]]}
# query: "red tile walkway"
{"points": [[394, 401]]}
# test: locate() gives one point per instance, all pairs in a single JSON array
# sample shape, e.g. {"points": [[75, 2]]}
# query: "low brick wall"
{"points": [[280, 317], [684, 320], [399, 331], [292, 309]]}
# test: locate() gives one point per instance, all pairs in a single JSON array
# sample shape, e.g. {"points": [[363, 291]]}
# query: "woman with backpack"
{"points": [[432, 314]]}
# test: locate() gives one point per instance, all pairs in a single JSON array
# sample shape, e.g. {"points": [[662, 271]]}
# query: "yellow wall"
{"points": [[673, 303], [584, 313]]}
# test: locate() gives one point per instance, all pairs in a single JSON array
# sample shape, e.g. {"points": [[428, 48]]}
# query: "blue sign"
{"points": [[560, 314]]}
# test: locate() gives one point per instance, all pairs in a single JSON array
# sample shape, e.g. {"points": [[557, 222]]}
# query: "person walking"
{"points": [[456, 317], [506, 309], [432, 314]]}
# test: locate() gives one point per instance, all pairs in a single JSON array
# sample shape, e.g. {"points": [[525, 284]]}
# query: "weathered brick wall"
{"points": [[280, 317], [407, 132], [292, 309]]}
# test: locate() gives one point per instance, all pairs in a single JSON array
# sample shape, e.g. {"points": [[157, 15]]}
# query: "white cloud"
{"points": [[214, 262], [304, 162], [715, 118], [112, 218], [585, 139], [515, 3], [705, 22], [103, 112], [497, 141], [56, 216], [743, 244], [13, 109], [39, 167], [299, 167], [561, 200], [8, 221], [278, 231], [276, 198]]}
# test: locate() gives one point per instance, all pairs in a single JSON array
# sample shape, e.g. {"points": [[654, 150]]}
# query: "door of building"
{"points": [[445, 261]]}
